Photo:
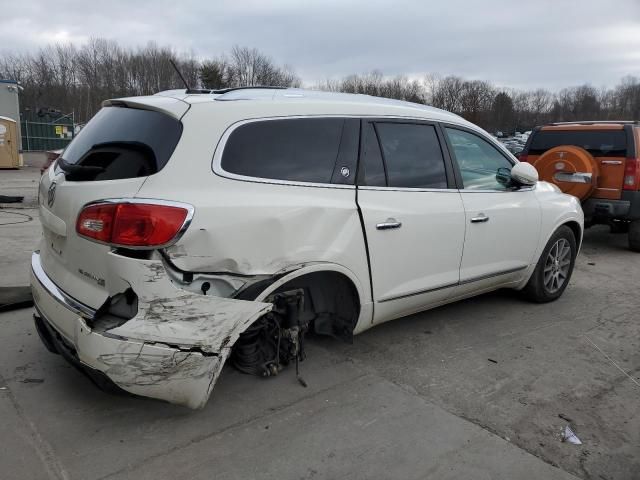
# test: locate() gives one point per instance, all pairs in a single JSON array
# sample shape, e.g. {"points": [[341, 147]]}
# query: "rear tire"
{"points": [[554, 268], [618, 226], [634, 236]]}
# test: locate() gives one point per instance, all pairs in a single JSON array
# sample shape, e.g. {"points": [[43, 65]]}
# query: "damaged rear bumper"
{"points": [[173, 349]]}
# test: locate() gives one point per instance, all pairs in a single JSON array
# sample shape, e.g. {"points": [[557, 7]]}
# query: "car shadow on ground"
{"points": [[520, 369]]}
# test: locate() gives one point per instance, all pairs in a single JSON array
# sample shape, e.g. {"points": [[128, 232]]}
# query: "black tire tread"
{"points": [[634, 236], [534, 290]]}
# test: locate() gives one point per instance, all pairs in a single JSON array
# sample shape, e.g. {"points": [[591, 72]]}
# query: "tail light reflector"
{"points": [[632, 174], [135, 225], [523, 157]]}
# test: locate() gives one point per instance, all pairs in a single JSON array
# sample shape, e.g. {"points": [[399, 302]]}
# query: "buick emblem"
{"points": [[51, 194]]}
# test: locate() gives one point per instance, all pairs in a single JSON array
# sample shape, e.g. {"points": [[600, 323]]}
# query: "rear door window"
{"points": [[121, 143], [599, 143], [412, 155], [314, 150]]}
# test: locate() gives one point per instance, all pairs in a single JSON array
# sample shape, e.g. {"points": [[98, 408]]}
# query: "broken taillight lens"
{"points": [[135, 225]]}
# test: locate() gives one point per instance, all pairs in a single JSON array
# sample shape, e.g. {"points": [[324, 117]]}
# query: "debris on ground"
{"points": [[10, 199], [13, 298], [33, 380], [492, 360], [564, 417], [570, 436]]}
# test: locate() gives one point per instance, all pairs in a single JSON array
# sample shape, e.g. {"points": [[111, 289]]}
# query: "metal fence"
{"points": [[42, 136]]}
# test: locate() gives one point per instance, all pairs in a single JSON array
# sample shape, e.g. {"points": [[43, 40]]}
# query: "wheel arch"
{"points": [[577, 231], [331, 279], [573, 224]]}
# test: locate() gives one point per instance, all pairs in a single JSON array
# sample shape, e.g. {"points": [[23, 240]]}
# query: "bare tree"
{"points": [[540, 102], [476, 99], [448, 94], [249, 67], [64, 78]]}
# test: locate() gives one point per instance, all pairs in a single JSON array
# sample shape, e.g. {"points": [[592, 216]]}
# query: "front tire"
{"points": [[554, 268]]}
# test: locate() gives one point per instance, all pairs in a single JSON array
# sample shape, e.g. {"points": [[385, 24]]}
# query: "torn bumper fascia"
{"points": [[173, 349]]}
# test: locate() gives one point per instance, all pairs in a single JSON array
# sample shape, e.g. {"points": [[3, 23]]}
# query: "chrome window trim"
{"points": [[58, 294], [491, 141], [522, 189], [409, 189], [217, 155], [444, 190], [149, 201], [216, 164]]}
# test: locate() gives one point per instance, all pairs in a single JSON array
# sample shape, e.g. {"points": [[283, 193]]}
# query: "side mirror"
{"points": [[524, 173]]}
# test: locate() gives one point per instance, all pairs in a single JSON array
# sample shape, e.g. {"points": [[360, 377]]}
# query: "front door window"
{"points": [[481, 165]]}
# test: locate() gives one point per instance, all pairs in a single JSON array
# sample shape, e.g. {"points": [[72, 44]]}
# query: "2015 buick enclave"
{"points": [[181, 229]]}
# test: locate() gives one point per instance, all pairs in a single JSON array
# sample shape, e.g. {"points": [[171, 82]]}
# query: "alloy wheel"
{"points": [[556, 266]]}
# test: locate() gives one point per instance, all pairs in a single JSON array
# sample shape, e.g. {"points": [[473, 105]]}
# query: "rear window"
{"points": [[599, 143], [121, 143], [314, 150]]}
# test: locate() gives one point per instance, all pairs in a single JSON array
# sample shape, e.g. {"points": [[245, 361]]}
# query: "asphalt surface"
{"points": [[480, 389]]}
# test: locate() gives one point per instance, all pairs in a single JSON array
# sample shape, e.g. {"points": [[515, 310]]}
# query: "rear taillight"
{"points": [[632, 174], [523, 157], [133, 224]]}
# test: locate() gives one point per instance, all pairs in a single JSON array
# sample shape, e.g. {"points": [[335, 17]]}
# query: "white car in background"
{"points": [[182, 229]]}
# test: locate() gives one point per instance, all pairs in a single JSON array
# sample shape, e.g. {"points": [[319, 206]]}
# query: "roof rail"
{"points": [[196, 91], [232, 89], [595, 122], [192, 91]]}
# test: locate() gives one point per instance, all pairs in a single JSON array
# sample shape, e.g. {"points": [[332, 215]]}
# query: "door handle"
{"points": [[481, 218], [389, 224]]}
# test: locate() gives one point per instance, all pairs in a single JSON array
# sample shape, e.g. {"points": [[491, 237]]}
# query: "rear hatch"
{"points": [[606, 143], [110, 158]]}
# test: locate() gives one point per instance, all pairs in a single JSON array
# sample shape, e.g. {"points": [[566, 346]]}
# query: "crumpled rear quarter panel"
{"points": [[176, 345]]}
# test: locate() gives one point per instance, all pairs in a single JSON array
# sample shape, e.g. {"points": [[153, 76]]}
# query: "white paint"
{"points": [[423, 254], [263, 228]]}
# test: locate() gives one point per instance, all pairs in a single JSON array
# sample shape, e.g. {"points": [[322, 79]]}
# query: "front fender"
{"points": [[557, 209]]}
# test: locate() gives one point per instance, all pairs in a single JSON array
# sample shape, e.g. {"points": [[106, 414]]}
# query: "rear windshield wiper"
{"points": [[82, 169]]}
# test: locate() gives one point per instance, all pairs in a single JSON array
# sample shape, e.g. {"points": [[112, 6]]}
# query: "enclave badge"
{"points": [[51, 194]]}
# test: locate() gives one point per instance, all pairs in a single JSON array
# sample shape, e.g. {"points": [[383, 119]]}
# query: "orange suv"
{"points": [[596, 161]]}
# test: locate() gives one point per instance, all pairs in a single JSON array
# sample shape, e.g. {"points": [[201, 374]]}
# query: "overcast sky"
{"points": [[513, 43]]}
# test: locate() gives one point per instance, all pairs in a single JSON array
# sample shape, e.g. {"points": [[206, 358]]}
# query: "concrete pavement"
{"points": [[478, 389]]}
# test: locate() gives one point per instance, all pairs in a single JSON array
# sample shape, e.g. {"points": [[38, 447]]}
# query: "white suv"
{"points": [[183, 228]]}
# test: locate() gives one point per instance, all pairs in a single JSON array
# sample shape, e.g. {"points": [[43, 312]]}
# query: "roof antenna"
{"points": [[175, 67]]}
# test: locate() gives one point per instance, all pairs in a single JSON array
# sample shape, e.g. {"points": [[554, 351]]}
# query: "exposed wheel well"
{"points": [[331, 302]]}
